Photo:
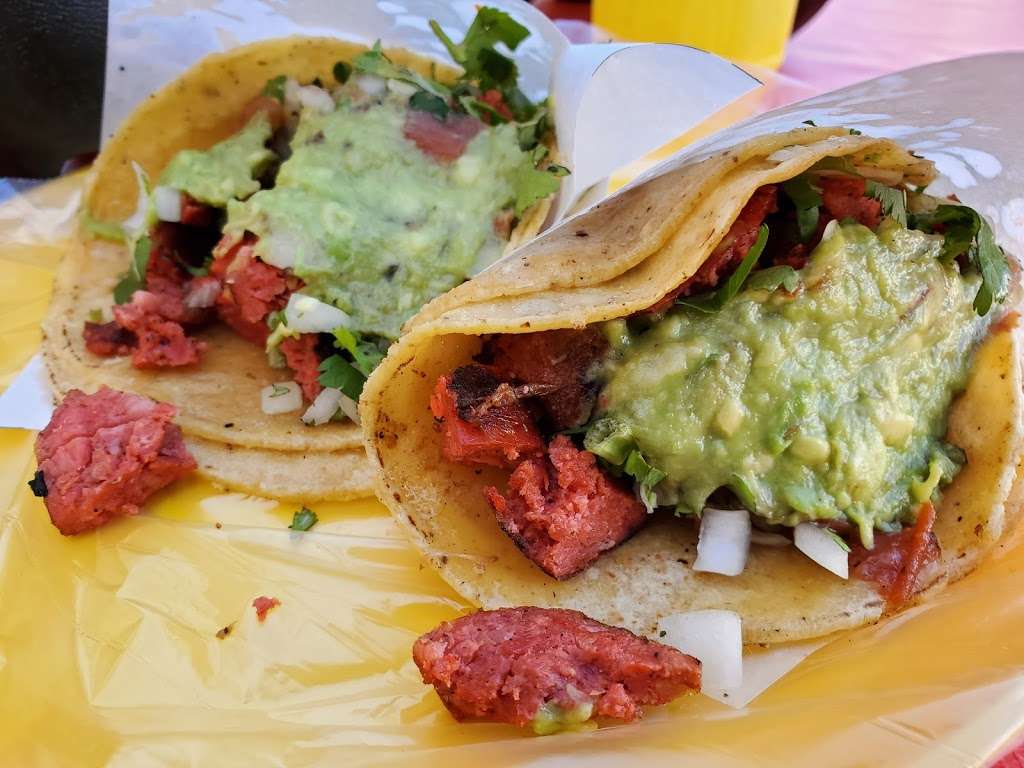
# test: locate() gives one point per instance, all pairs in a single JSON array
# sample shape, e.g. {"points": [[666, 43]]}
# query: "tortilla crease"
{"points": [[218, 400], [614, 260]]}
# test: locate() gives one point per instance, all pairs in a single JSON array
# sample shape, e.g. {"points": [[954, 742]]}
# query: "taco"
{"points": [[295, 202], [782, 380]]}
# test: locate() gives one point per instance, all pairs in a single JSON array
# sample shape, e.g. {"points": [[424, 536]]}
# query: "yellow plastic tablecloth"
{"points": [[110, 655]]}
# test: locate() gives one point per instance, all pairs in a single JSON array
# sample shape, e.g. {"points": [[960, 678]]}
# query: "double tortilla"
{"points": [[620, 257], [218, 401]]}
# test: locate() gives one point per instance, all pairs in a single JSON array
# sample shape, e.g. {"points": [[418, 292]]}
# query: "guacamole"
{"points": [[371, 223], [227, 171], [826, 402]]}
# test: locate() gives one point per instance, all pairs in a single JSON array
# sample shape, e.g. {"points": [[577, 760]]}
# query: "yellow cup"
{"points": [[749, 31]]}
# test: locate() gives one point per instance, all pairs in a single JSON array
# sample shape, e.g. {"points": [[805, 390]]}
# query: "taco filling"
{"points": [[339, 209], [795, 388]]}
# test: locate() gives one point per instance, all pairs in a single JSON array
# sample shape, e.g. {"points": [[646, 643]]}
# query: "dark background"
{"points": [[52, 56]]}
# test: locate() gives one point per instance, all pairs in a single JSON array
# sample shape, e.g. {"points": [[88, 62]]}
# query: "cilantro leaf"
{"points": [[610, 439], [807, 201], [135, 278], [893, 200], [303, 520], [275, 88], [338, 373], [375, 62], [533, 184], [995, 272], [428, 102], [773, 277], [646, 477], [714, 301], [365, 354], [342, 71]]}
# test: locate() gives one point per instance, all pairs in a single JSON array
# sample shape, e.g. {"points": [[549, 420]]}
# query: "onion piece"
{"points": [[400, 88], [306, 314], [139, 221], [351, 409], [724, 541], [282, 397], [167, 202], [202, 292], [768, 539], [823, 547], [715, 637], [316, 98], [291, 95], [323, 408], [371, 85]]}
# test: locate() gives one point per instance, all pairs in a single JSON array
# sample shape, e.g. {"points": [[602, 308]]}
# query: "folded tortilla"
{"points": [[618, 258], [218, 400]]}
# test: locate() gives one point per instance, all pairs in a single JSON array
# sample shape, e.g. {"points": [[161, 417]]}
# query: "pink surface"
{"points": [[853, 40]]}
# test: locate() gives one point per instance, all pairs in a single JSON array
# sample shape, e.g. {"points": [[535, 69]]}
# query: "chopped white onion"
{"points": [[137, 222], [167, 202], [315, 98], [400, 88], [767, 539], [715, 637], [350, 408], [283, 397], [371, 85], [291, 95], [724, 541], [323, 408], [305, 314], [823, 547], [202, 293]]}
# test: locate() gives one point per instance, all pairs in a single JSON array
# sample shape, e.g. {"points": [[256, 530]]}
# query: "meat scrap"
{"points": [[845, 197], [562, 361], [263, 606], [252, 289], [730, 252], [898, 558], [481, 422], [444, 140], [108, 339], [102, 455], [535, 665], [159, 341], [301, 356], [563, 511]]}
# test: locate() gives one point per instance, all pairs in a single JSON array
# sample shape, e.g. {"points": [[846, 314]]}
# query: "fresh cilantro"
{"points": [[481, 110], [533, 184], [279, 390], [428, 102], [342, 71], [855, 132], [275, 319], [610, 439], [95, 316], [531, 133], [104, 230], [135, 278], [303, 520], [807, 201], [893, 200], [714, 301], [837, 539], [646, 477], [967, 234], [810, 122], [338, 373], [365, 354], [773, 277], [483, 64], [275, 88], [375, 62]]}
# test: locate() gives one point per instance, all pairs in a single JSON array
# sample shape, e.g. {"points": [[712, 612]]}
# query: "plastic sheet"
{"points": [[138, 645]]}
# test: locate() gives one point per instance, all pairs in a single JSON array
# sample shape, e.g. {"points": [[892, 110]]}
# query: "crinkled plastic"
{"points": [[138, 645]]}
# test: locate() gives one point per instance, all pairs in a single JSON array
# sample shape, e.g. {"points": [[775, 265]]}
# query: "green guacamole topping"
{"points": [[823, 402], [370, 222], [226, 171]]}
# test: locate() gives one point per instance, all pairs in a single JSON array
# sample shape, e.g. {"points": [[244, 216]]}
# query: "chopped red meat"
{"points": [[263, 606], [168, 281], [195, 213], [301, 356], [496, 101], [506, 665], [897, 558], [563, 511], [108, 339], [482, 421], [160, 342], [252, 290], [444, 140], [102, 455], [559, 364], [730, 252], [845, 197]]}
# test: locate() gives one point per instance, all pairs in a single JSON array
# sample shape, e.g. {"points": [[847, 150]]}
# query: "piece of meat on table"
{"points": [[548, 667], [563, 511], [102, 455], [559, 364], [482, 420]]}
